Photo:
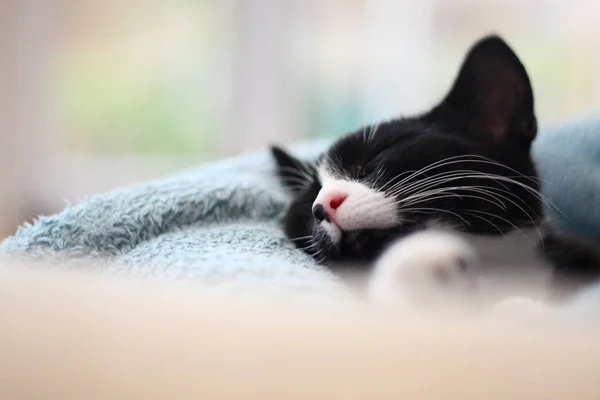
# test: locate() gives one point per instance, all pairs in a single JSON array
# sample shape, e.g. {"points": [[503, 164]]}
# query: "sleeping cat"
{"points": [[444, 205]]}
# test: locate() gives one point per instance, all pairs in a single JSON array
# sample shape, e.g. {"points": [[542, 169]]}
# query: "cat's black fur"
{"points": [[486, 123]]}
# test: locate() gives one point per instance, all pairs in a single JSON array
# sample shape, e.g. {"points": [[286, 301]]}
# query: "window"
{"points": [[112, 92]]}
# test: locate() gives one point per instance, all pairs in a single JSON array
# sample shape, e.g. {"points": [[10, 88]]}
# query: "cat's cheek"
{"points": [[428, 269]]}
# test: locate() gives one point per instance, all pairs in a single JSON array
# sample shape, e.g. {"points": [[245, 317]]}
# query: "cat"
{"points": [[441, 205]]}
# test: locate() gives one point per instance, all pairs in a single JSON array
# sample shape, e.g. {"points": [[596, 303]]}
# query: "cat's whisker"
{"points": [[497, 178], [426, 183], [386, 185], [452, 195], [293, 180], [380, 173], [489, 191], [425, 209], [431, 195], [437, 164], [411, 186], [320, 259], [453, 189], [487, 160], [304, 166], [301, 181], [309, 247], [537, 217], [296, 180], [298, 173], [535, 222], [539, 195], [471, 158], [314, 254], [508, 222], [373, 131], [450, 176], [301, 238], [431, 189], [448, 161], [500, 230], [493, 192], [487, 221], [440, 179], [423, 197], [364, 134]]}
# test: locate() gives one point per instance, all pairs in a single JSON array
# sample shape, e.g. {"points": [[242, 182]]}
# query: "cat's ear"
{"points": [[492, 96], [295, 174]]}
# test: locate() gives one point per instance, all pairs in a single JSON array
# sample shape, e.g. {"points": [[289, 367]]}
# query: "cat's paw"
{"points": [[429, 268]]}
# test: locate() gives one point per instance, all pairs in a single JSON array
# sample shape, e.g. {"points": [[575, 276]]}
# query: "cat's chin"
{"points": [[331, 244], [332, 232]]}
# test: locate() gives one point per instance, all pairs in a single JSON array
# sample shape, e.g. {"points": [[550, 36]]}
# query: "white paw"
{"points": [[429, 268]]}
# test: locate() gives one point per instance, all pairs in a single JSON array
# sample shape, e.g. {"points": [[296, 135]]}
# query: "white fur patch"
{"points": [[334, 233], [497, 266], [406, 273], [364, 208]]}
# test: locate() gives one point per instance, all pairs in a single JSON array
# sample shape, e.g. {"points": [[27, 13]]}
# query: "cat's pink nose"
{"points": [[327, 203], [335, 200]]}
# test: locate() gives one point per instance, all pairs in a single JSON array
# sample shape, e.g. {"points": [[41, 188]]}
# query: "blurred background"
{"points": [[96, 94]]}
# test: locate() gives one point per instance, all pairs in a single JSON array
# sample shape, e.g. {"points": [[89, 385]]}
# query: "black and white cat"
{"points": [[442, 204]]}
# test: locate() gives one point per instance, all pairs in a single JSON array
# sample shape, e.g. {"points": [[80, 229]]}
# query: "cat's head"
{"points": [[465, 163]]}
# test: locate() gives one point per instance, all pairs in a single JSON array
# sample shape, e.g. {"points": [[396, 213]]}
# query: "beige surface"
{"points": [[69, 337]]}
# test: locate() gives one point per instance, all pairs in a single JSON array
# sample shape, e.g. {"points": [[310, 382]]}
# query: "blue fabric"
{"points": [[568, 160], [220, 222]]}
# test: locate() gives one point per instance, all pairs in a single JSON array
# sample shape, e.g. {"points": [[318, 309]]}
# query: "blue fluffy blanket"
{"points": [[220, 222], [568, 160]]}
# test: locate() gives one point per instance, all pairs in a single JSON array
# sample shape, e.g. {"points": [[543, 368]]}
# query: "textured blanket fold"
{"points": [[220, 222]]}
